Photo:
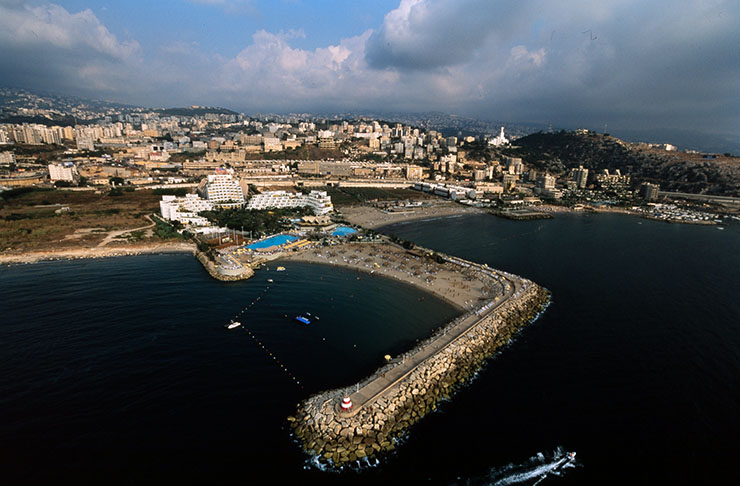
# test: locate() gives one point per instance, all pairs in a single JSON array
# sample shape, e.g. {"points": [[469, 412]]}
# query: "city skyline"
{"points": [[621, 65]]}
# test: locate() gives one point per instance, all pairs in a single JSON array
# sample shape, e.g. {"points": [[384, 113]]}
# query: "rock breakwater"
{"points": [[402, 393], [213, 270]]}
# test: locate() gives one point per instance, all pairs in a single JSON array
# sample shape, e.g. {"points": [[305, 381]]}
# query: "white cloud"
{"points": [[52, 25], [583, 62]]}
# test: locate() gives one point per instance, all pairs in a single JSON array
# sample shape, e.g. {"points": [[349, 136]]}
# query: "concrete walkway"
{"points": [[371, 391]]}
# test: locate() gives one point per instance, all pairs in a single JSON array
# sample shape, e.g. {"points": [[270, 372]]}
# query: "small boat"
{"points": [[569, 458], [280, 269], [269, 280], [233, 324], [303, 319]]}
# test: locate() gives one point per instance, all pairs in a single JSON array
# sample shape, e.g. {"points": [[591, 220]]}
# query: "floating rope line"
{"points": [[261, 345], [275, 359]]}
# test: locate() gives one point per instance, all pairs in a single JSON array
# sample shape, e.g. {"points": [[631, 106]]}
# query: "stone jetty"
{"points": [[216, 271], [398, 395]]}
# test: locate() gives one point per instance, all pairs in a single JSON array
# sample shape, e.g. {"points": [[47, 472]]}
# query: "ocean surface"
{"points": [[121, 371]]}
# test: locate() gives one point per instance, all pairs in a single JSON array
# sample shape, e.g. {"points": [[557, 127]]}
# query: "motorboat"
{"points": [[303, 319], [233, 324], [269, 280], [569, 458], [280, 269]]}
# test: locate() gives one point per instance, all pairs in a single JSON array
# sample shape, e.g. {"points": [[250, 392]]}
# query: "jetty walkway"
{"points": [[345, 425], [366, 394]]}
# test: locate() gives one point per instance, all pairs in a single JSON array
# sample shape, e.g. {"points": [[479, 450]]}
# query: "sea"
{"points": [[121, 370]]}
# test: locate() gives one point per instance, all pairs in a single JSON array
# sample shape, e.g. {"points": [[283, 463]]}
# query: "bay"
{"points": [[120, 370]]}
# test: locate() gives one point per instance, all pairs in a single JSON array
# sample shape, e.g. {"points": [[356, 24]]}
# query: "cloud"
{"points": [[50, 25], [583, 63], [422, 34]]}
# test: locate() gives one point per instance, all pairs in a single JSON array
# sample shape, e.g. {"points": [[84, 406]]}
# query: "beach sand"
{"points": [[370, 217], [460, 287]]}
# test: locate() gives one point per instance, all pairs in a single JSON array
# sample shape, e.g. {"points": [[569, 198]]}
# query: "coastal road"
{"points": [[374, 389]]}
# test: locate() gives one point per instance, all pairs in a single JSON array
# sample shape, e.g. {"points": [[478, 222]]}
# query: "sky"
{"points": [[638, 65]]}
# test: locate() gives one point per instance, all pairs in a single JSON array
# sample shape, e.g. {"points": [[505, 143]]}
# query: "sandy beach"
{"points": [[461, 287], [370, 217], [96, 252]]}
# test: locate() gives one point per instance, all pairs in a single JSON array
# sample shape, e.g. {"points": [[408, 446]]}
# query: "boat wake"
{"points": [[531, 472]]}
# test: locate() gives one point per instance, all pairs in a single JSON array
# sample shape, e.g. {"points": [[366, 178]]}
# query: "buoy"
{"points": [[346, 404]]}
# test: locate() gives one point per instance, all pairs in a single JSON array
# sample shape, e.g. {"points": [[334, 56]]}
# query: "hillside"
{"points": [[674, 171], [196, 111]]}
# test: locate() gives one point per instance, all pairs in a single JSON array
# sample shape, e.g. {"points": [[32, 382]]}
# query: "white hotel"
{"points": [[319, 201], [185, 209], [222, 191]]}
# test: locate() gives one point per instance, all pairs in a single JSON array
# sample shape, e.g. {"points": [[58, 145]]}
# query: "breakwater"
{"points": [[216, 272], [522, 214], [401, 393]]}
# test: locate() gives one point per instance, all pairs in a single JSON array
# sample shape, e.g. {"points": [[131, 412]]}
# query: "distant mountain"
{"points": [[195, 111], [20, 105], [447, 124], [684, 139], [673, 170]]}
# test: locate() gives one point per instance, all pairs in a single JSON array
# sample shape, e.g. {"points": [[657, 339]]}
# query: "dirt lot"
{"points": [[37, 220]]}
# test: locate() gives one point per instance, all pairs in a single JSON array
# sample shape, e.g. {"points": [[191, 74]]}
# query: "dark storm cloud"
{"points": [[430, 34]]}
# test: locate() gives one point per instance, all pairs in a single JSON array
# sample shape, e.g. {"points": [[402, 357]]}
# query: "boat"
{"points": [[568, 459], [280, 269], [303, 319], [233, 324]]}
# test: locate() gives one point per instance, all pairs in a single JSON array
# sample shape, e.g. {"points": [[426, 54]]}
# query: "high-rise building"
{"points": [[649, 191], [514, 165], [580, 176], [222, 190], [63, 172]]}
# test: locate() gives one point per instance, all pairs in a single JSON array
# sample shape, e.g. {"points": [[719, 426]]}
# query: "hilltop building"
{"points": [[514, 165], [499, 140]]}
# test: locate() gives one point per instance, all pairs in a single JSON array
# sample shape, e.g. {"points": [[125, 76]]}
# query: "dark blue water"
{"points": [[120, 370]]}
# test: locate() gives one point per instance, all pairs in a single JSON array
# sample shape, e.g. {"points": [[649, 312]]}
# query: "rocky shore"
{"points": [[337, 437], [95, 252]]}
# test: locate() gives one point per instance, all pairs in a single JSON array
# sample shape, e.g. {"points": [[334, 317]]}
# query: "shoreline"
{"points": [[95, 252], [384, 406], [372, 218], [388, 260]]}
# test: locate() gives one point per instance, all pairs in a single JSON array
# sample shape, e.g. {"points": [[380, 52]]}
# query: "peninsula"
{"points": [[365, 420]]}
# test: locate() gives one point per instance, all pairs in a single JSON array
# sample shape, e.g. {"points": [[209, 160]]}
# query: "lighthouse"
{"points": [[346, 404]]}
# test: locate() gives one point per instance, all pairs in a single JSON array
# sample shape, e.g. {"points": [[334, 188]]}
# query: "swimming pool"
{"points": [[343, 231], [276, 240]]}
